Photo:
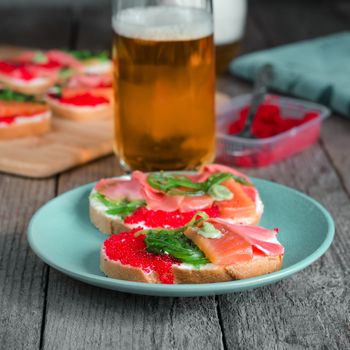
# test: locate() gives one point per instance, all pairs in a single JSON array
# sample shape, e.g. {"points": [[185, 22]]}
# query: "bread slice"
{"points": [[113, 224], [30, 128], [80, 113], [186, 274], [35, 125], [108, 224], [37, 86]]}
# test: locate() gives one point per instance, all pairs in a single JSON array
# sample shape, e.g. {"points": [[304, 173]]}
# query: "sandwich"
{"points": [[93, 63], [27, 79], [206, 250], [169, 200], [97, 84], [83, 97], [22, 115], [34, 72], [80, 61], [51, 59]]}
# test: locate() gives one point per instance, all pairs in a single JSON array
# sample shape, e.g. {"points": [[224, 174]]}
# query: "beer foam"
{"points": [[161, 23], [229, 20]]}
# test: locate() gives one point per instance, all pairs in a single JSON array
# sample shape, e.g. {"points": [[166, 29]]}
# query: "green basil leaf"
{"points": [[194, 221], [175, 244], [125, 208], [220, 193], [56, 90], [177, 185], [216, 179], [122, 208], [65, 73], [86, 55], [166, 183], [241, 180], [208, 230], [39, 57], [185, 193], [102, 199], [9, 95]]}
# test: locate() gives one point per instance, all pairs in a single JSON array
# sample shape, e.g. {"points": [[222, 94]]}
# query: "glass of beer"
{"points": [[164, 81]]}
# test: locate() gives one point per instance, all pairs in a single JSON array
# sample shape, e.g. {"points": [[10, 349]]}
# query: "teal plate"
{"points": [[61, 234]]}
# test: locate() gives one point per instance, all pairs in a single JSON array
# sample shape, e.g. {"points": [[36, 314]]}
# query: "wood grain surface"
{"points": [[22, 275], [67, 145], [303, 310], [41, 308]]}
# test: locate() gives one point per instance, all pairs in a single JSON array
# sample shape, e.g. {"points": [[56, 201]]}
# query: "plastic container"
{"points": [[265, 151]]}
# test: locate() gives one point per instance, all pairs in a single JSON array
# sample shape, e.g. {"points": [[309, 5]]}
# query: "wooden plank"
{"points": [[85, 317], [35, 26], [22, 274], [67, 145], [336, 141], [310, 309]]}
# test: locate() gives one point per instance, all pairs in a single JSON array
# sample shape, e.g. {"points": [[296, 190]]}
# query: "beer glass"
{"points": [[164, 83], [229, 19]]}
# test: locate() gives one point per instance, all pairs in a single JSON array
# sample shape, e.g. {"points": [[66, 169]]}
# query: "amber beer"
{"points": [[164, 78], [225, 53]]}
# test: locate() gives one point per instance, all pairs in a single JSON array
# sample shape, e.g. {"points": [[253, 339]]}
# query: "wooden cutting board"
{"points": [[67, 145]]}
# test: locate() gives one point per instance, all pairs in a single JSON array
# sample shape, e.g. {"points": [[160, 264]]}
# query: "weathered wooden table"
{"points": [[41, 308]]}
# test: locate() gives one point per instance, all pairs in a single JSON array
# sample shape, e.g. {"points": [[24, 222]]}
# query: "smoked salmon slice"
{"points": [[14, 108], [72, 92], [229, 249], [116, 189], [241, 204], [238, 243], [157, 200]]}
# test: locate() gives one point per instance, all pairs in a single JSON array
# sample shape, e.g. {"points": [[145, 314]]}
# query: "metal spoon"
{"points": [[263, 79]]}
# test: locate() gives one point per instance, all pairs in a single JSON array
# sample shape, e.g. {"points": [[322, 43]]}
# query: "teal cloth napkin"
{"points": [[317, 70]]}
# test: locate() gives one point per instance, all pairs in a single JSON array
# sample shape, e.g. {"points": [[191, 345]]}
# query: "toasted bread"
{"points": [[37, 87], [30, 128], [185, 273], [79, 113]]}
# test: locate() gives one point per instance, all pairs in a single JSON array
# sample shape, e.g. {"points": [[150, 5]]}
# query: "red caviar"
{"points": [[16, 70], [11, 119], [50, 64], [7, 120], [85, 99], [104, 85], [131, 250], [268, 121], [166, 219]]}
